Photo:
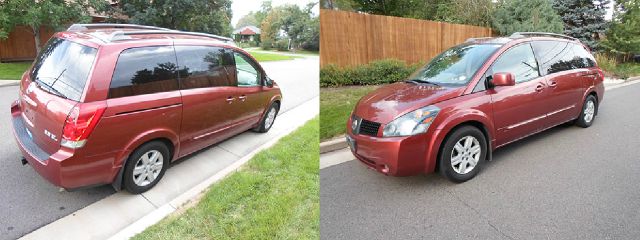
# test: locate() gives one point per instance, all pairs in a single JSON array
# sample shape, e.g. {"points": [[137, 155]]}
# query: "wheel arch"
{"points": [[478, 121]]}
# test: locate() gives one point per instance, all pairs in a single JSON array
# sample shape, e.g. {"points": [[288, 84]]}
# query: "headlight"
{"points": [[412, 123]]}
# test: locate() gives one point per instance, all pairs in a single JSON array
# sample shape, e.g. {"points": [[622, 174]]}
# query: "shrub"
{"points": [[266, 44], [374, 73], [282, 45]]}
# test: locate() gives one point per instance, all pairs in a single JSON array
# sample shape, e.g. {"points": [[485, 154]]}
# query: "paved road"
{"points": [[28, 202], [564, 183]]}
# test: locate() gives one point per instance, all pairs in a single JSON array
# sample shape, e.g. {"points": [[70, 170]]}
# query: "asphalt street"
{"points": [[28, 202], [564, 183]]}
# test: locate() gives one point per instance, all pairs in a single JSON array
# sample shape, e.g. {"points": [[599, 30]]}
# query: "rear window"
{"points": [[62, 68], [204, 66], [145, 70], [558, 56]]}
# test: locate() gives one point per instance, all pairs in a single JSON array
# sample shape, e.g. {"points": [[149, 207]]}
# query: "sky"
{"points": [[242, 7]]}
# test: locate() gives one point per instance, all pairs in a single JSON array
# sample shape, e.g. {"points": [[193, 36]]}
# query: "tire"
{"points": [[139, 183], [588, 113], [457, 172], [267, 121]]}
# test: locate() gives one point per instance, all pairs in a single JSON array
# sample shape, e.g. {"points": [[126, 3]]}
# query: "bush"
{"points": [[373, 73], [267, 44], [282, 45]]}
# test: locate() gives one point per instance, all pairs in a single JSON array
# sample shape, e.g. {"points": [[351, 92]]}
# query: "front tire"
{"points": [[463, 154], [588, 114], [145, 167], [268, 119]]}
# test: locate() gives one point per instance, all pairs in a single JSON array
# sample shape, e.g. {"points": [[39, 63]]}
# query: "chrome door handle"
{"points": [[230, 99], [242, 98], [539, 88], [553, 84]]}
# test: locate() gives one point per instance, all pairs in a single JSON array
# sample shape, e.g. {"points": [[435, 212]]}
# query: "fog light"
{"points": [[385, 169]]}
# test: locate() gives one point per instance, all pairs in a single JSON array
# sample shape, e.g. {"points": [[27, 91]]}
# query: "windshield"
{"points": [[62, 68], [456, 66]]}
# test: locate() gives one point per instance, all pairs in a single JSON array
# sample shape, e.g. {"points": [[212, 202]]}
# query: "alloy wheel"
{"points": [[147, 168], [589, 111], [465, 154]]}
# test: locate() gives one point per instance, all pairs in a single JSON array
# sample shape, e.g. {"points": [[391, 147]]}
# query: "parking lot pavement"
{"points": [[30, 202], [564, 183]]}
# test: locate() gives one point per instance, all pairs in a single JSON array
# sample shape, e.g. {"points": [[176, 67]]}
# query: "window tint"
{"points": [[557, 56], [63, 67], [247, 73], [519, 61], [144, 70], [202, 66]]}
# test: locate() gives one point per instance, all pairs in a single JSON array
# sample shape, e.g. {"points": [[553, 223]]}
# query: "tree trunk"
{"points": [[36, 37]]}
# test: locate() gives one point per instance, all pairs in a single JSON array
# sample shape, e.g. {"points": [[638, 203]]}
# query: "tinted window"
{"points": [[519, 61], [203, 66], [557, 56], [144, 70], [248, 74], [456, 66], [62, 68]]}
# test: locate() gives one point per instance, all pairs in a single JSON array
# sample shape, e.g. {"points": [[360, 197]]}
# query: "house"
{"points": [[247, 34]]}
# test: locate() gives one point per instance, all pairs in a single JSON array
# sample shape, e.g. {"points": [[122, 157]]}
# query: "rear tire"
{"points": [[268, 119], [588, 114], [463, 154], [145, 167]]}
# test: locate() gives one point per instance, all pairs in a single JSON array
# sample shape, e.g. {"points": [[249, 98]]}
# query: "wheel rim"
{"points": [[465, 154], [271, 116], [147, 168], [589, 111]]}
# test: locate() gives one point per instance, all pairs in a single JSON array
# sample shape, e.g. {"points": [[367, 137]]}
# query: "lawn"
{"points": [[13, 71], [265, 57], [274, 196], [335, 106], [625, 70]]}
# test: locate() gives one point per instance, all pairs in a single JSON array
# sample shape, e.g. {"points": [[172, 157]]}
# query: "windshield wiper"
{"points": [[421, 81], [49, 89]]}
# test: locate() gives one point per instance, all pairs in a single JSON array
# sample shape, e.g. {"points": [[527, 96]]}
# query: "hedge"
{"points": [[374, 73]]}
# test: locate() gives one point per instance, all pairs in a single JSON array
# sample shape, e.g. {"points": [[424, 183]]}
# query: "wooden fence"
{"points": [[348, 39], [20, 45]]}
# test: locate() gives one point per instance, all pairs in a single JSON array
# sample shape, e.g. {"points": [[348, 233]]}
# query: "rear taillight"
{"points": [[600, 74], [80, 122]]}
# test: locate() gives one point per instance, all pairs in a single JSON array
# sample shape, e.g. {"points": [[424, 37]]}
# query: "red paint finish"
{"points": [[188, 120], [504, 113]]}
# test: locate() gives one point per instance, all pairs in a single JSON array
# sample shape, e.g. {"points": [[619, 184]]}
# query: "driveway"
{"points": [[564, 183], [29, 202]]}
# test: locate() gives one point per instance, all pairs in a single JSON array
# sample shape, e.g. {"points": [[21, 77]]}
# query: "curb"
{"points": [[340, 142], [9, 83], [333, 145]]}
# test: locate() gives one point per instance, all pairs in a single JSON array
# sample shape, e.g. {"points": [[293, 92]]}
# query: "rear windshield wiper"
{"points": [[421, 81], [49, 89]]}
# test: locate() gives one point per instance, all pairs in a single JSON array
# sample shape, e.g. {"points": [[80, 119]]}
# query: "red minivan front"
{"points": [[471, 99]]}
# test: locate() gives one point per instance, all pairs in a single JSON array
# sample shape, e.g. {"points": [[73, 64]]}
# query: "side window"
{"points": [[247, 72], [519, 61], [202, 66], [144, 70], [555, 56], [583, 58]]}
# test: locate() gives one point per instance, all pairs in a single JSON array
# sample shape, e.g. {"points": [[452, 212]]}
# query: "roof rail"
{"points": [[82, 27], [534, 34], [121, 35], [476, 39]]}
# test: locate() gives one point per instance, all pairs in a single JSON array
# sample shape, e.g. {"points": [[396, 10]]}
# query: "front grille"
{"points": [[369, 128]]}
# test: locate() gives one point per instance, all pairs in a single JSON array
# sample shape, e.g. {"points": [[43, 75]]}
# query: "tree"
{"points": [[526, 16], [624, 35], [583, 19], [52, 13], [300, 26], [210, 16], [248, 20]]}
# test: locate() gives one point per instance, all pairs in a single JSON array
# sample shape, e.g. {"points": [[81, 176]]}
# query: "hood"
{"points": [[389, 102]]}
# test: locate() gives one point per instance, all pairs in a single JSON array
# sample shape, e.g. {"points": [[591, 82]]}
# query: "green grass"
{"points": [[274, 196], [335, 106], [624, 70], [265, 57], [13, 71]]}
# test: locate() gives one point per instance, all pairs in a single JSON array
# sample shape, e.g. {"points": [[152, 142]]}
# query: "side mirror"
{"points": [[268, 82], [503, 79]]}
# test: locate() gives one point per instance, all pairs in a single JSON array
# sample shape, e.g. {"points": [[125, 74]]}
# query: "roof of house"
{"points": [[247, 30]]}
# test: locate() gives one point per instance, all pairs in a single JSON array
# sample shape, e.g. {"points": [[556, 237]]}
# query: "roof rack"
{"points": [[122, 35], [83, 27], [534, 34], [476, 39]]}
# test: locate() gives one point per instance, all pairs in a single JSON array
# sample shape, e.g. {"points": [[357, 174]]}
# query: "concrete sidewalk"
{"points": [[182, 182]]}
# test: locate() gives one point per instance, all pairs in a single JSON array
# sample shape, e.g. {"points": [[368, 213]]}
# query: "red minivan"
{"points": [[473, 98], [116, 103]]}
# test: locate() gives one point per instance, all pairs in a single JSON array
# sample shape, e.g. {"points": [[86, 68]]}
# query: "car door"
{"points": [[252, 97], [517, 109], [208, 96], [565, 73]]}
